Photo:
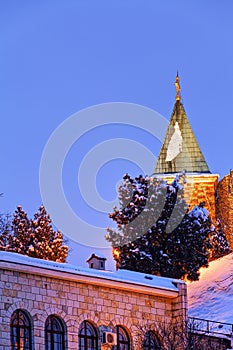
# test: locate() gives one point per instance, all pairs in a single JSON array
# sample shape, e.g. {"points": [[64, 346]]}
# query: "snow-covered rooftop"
{"points": [[212, 296], [125, 276], [196, 173], [97, 255]]}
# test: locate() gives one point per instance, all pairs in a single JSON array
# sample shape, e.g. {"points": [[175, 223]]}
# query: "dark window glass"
{"points": [[151, 341], [21, 336], [88, 339], [123, 341], [54, 334]]}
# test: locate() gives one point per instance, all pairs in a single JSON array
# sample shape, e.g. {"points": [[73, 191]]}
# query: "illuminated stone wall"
{"points": [[225, 205], [73, 301], [199, 188]]}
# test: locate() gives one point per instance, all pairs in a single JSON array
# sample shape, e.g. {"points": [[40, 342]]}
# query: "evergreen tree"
{"points": [[220, 246], [5, 229], [36, 237], [20, 237], [45, 242], [155, 233]]}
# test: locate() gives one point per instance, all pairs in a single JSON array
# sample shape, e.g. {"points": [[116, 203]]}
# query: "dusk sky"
{"points": [[60, 57]]}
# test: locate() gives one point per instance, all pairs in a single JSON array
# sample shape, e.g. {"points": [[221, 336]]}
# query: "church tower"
{"points": [[180, 153], [225, 205]]}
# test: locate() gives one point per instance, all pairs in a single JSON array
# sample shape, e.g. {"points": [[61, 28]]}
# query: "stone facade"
{"points": [[99, 297], [199, 188], [203, 188], [200, 341], [225, 205]]}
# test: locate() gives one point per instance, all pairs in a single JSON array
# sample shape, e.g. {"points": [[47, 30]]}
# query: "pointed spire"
{"points": [[177, 84], [180, 150]]}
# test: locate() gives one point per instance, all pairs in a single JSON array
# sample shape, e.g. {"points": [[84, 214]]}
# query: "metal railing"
{"points": [[210, 327]]}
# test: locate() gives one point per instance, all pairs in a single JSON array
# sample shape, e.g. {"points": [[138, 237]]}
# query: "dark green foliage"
{"points": [[220, 246], [155, 234]]}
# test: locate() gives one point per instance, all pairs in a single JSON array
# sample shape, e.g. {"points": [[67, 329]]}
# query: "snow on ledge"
{"points": [[125, 276]]}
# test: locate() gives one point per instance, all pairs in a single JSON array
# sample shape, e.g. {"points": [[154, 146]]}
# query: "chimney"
{"points": [[96, 261]]}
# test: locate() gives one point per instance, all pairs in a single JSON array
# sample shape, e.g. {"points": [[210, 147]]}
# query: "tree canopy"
{"points": [[33, 237], [155, 232]]}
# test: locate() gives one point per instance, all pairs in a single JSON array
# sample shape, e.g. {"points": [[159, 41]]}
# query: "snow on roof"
{"points": [[97, 255], [212, 296], [196, 174], [125, 276]]}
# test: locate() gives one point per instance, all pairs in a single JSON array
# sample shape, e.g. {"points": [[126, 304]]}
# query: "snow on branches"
{"points": [[36, 237], [155, 233]]}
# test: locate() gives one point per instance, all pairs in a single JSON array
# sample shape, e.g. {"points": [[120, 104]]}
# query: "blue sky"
{"points": [[59, 57]]}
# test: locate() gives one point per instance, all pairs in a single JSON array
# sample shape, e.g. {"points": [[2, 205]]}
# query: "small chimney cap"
{"points": [[98, 256]]}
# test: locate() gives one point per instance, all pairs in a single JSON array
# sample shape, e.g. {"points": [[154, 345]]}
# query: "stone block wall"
{"points": [[199, 188], [225, 205], [75, 302], [199, 341]]}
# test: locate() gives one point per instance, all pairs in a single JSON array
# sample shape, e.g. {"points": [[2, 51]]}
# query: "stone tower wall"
{"points": [[199, 188], [225, 205]]}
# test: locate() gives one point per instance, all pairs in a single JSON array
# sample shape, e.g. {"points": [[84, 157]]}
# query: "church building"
{"points": [[46, 305], [181, 153]]}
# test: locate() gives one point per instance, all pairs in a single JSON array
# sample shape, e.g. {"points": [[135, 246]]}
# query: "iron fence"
{"points": [[210, 327]]}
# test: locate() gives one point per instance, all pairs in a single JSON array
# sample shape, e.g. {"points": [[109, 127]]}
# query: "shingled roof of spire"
{"points": [[188, 156]]}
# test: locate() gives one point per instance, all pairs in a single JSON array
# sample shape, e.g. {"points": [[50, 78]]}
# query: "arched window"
{"points": [[54, 333], [88, 338], [123, 341], [21, 331], [151, 341]]}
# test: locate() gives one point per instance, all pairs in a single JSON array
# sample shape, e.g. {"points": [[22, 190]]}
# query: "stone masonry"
{"points": [[225, 205], [78, 295], [199, 188]]}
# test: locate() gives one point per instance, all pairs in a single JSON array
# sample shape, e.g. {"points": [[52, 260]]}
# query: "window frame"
{"points": [[126, 342], [20, 315], [87, 325], [51, 332]]}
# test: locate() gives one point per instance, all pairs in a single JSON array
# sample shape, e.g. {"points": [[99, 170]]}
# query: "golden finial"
{"points": [[177, 84]]}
